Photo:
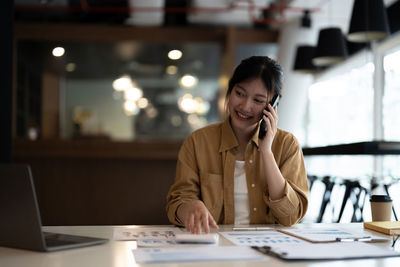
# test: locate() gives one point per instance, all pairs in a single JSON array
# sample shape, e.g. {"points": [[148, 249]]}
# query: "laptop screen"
{"points": [[20, 225]]}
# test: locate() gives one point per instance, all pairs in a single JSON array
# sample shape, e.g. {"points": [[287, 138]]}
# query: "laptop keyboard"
{"points": [[53, 240]]}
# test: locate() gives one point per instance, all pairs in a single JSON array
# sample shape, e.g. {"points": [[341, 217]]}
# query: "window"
{"points": [[341, 105], [391, 98], [391, 107]]}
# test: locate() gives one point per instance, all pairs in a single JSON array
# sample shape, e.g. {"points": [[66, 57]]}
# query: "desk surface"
{"points": [[119, 253]]}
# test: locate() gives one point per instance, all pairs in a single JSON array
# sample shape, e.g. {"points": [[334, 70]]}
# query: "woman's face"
{"points": [[246, 103]]}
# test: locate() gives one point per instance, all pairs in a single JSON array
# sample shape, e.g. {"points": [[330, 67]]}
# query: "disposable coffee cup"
{"points": [[381, 207]]}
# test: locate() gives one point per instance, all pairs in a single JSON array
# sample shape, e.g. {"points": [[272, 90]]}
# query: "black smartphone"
{"points": [[263, 126]]}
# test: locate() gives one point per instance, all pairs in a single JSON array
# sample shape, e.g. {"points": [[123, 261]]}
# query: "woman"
{"points": [[226, 174]]}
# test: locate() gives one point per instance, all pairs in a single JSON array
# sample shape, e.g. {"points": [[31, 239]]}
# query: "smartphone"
{"points": [[263, 126]]}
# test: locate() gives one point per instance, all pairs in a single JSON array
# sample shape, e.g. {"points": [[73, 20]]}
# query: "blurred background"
{"points": [[102, 93]]}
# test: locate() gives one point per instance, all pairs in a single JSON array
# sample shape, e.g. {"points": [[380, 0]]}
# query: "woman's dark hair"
{"points": [[263, 67]]}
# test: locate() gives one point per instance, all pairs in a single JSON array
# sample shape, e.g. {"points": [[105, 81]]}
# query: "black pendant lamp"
{"points": [[369, 21], [331, 48], [303, 61]]}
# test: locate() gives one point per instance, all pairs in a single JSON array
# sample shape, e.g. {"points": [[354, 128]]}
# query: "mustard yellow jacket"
{"points": [[205, 169]]}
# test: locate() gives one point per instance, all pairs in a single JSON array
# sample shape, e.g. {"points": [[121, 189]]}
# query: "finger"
{"points": [[267, 121], [272, 120], [186, 222], [273, 111], [212, 222], [205, 224], [189, 226], [269, 125], [275, 114], [265, 112], [197, 227]]}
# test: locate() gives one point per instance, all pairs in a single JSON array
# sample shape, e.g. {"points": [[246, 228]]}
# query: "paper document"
{"points": [[195, 254], [256, 238], [162, 236], [157, 233], [148, 237], [330, 251], [328, 234]]}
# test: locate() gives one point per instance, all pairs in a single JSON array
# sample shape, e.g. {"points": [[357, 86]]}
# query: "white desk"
{"points": [[119, 253]]}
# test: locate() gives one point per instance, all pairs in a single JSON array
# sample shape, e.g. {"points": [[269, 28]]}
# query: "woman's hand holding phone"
{"points": [[270, 117], [263, 127]]}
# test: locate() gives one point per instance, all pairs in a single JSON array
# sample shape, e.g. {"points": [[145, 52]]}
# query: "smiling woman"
{"points": [[226, 174]]}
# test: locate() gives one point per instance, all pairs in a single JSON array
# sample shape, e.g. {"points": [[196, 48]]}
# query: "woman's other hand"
{"points": [[196, 216], [271, 120]]}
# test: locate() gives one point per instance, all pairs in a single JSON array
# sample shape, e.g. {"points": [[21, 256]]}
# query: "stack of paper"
{"points": [[197, 253]]}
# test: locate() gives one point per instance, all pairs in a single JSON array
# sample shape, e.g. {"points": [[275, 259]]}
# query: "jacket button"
{"points": [[255, 209], [251, 161], [253, 185]]}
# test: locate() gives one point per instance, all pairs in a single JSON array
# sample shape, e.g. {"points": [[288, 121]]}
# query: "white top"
{"points": [[241, 197]]}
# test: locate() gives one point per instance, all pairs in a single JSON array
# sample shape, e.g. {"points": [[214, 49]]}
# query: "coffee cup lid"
{"points": [[380, 198]]}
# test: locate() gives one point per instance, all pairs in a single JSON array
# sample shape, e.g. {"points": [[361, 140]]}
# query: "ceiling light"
{"points": [[176, 120], [171, 69], [130, 108], [188, 81], [122, 83], [369, 21], [331, 48], [306, 19], [187, 104], [70, 67], [133, 94], [202, 106], [174, 54], [303, 61], [193, 119], [143, 103], [58, 51], [151, 112]]}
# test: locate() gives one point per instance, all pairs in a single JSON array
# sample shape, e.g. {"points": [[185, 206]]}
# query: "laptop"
{"points": [[20, 223]]}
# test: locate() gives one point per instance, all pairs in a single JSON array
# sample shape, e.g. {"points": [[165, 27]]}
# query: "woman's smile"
{"points": [[242, 116]]}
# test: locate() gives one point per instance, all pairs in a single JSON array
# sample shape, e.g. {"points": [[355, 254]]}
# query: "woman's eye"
{"points": [[239, 93], [258, 101]]}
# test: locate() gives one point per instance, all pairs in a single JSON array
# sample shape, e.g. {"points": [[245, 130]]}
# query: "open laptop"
{"points": [[20, 223]]}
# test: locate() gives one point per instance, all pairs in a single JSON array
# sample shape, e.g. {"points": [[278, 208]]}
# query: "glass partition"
{"points": [[120, 90]]}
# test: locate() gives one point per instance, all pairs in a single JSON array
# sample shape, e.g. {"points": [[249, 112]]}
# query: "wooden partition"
{"points": [[93, 182]]}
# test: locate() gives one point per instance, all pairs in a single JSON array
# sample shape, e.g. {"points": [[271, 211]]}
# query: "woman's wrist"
{"points": [[267, 154], [178, 214]]}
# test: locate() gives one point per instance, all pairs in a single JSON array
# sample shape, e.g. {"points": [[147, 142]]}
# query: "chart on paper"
{"points": [[148, 237], [257, 238]]}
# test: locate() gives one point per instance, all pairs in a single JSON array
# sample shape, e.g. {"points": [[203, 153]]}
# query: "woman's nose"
{"points": [[246, 105]]}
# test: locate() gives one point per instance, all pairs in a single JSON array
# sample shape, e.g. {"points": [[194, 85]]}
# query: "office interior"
{"points": [[98, 104]]}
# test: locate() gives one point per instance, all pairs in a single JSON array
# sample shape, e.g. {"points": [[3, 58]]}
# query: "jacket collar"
{"points": [[254, 138], [228, 137]]}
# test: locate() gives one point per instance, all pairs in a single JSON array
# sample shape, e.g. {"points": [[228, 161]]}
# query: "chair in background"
{"points": [[329, 183], [355, 193]]}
